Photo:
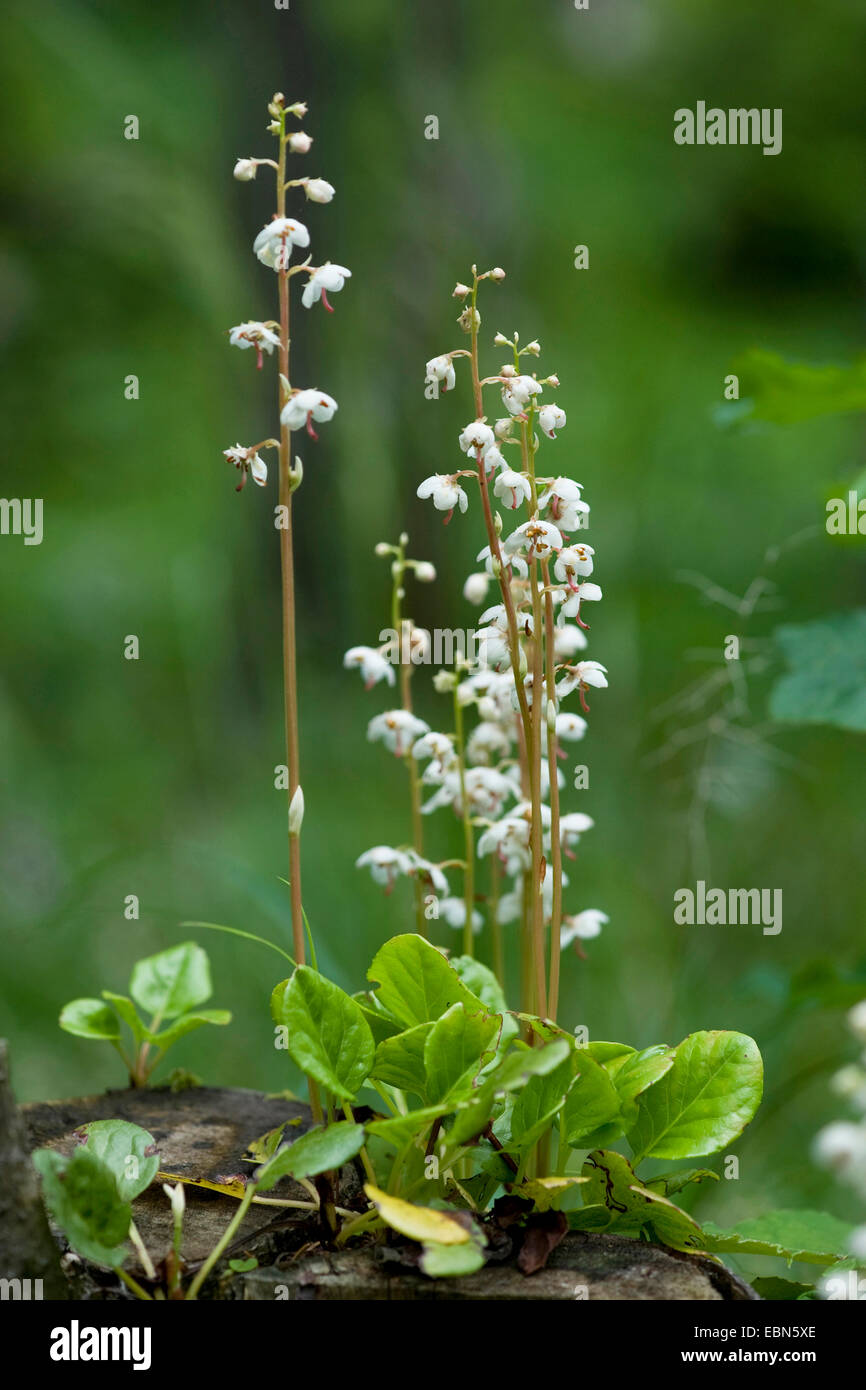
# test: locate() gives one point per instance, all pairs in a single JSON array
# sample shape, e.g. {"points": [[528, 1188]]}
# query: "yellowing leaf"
{"points": [[418, 1223], [547, 1193]]}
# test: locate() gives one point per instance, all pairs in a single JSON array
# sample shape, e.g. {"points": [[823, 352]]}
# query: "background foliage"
{"points": [[155, 777]]}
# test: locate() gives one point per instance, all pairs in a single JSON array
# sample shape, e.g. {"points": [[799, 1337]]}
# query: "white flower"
{"points": [[841, 1146], [477, 437], [397, 729], [431, 873], [385, 864], [857, 1020], [580, 677], [582, 593], [274, 243], [248, 461], [517, 392], [502, 428], [372, 665], [570, 727], [551, 418], [563, 503], [567, 641], [437, 746], [475, 588], [257, 335], [571, 561], [320, 191], [487, 742], [303, 407], [446, 493], [509, 482], [857, 1243], [328, 279], [453, 911], [245, 169], [300, 142], [571, 827], [442, 369], [537, 538], [425, 573], [582, 927], [493, 459]]}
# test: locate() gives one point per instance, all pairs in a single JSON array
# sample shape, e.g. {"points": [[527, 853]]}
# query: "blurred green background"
{"points": [[155, 777]]}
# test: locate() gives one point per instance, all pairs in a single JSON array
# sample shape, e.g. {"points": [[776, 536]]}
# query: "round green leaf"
{"points": [[81, 1194], [127, 1150], [318, 1151], [90, 1018], [172, 981], [328, 1035], [704, 1101]]}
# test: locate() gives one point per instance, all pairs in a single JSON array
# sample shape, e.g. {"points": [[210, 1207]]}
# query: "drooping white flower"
{"points": [[274, 243], [438, 747], [249, 462], [300, 142], [511, 488], [538, 538], [550, 419], [570, 727], [571, 827], [494, 458], [477, 437], [446, 493], [453, 911], [583, 926], [583, 593], [425, 573], [397, 729], [385, 864], [487, 742], [429, 872], [567, 641], [572, 561], [476, 587], [563, 503], [327, 279], [579, 677], [245, 169], [303, 407], [254, 334], [319, 190], [372, 665], [442, 369], [518, 391]]}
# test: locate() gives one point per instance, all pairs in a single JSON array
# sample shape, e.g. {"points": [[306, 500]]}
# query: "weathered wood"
{"points": [[27, 1250], [204, 1132]]}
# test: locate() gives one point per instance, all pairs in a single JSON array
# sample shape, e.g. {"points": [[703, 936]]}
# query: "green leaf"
{"points": [[187, 1023], [534, 1108], [328, 1036], [785, 393], [382, 1024], [704, 1101], [451, 1261], [172, 981], [635, 1208], [90, 1018], [484, 984], [826, 680], [317, 1151], [399, 1130], [669, 1183], [811, 1236], [592, 1101], [127, 1011], [459, 1045], [243, 1266], [774, 1289], [399, 1061], [415, 982], [81, 1194], [127, 1150], [609, 1052], [636, 1073], [514, 1070]]}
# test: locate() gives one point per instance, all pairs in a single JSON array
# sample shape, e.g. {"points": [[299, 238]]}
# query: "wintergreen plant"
{"points": [[503, 777], [170, 987]]}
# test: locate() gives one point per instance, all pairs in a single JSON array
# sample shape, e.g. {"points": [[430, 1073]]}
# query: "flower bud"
{"points": [[274, 128], [319, 190], [469, 319], [300, 142], [382, 548], [475, 588], [176, 1196], [501, 340], [497, 273], [425, 572], [443, 681], [460, 290], [296, 812], [534, 347], [276, 104], [298, 110], [857, 1020], [244, 170]]}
